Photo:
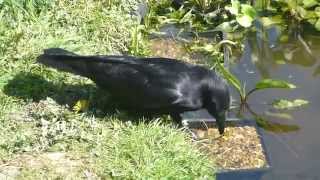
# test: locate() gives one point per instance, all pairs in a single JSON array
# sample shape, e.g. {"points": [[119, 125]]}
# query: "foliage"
{"points": [[138, 45], [245, 14], [202, 15], [263, 84], [301, 10], [269, 83], [286, 104]]}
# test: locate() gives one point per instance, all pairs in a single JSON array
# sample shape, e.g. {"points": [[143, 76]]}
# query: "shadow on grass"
{"points": [[33, 87]]}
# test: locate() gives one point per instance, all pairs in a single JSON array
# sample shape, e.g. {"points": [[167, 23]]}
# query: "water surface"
{"points": [[293, 155]]}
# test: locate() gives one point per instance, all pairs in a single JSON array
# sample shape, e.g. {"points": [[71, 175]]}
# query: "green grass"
{"points": [[36, 102]]}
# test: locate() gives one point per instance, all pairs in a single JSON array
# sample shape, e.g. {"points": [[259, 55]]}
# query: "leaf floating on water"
{"points": [[81, 105], [272, 83], [275, 127], [286, 104], [278, 115]]}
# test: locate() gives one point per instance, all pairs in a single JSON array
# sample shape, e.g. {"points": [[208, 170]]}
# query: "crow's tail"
{"points": [[64, 60]]}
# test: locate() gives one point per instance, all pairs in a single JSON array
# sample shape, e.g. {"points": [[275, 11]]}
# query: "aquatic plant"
{"points": [[261, 85], [302, 11]]}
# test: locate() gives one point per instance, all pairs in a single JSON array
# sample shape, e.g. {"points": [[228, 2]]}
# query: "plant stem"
{"points": [[247, 95]]}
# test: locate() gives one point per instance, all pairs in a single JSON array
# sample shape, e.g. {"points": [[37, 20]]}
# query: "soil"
{"points": [[239, 148]]}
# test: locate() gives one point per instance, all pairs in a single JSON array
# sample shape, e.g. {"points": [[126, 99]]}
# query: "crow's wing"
{"points": [[148, 85]]}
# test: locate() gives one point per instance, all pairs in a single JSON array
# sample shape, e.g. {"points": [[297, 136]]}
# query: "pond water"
{"points": [[294, 153], [292, 139]]}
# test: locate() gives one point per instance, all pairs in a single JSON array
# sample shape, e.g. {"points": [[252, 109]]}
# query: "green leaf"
{"points": [[284, 38], [244, 20], [286, 104], [275, 127], [309, 3], [234, 8], [209, 48], [278, 115], [311, 14], [317, 25], [270, 21], [187, 17], [272, 83], [233, 80], [225, 27], [312, 21], [81, 105], [302, 12], [248, 11], [317, 11], [292, 4]]}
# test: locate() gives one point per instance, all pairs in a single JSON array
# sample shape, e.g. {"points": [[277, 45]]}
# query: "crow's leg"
{"points": [[177, 118]]}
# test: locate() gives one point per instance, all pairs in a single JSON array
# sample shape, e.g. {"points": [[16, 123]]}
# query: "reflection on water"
{"points": [[292, 140]]}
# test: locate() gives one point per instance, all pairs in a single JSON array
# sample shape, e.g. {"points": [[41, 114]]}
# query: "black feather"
{"points": [[157, 85]]}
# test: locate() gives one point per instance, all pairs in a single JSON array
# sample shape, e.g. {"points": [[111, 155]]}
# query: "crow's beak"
{"points": [[221, 118]]}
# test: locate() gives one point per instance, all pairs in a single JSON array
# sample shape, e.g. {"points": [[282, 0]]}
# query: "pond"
{"points": [[293, 152], [291, 136]]}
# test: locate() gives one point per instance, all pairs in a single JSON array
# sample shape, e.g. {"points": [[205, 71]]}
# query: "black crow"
{"points": [[156, 85]]}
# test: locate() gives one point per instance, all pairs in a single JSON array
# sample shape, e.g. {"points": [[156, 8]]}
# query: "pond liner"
{"points": [[173, 31], [238, 174]]}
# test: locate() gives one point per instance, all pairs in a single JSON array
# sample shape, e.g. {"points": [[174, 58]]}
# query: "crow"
{"points": [[155, 85]]}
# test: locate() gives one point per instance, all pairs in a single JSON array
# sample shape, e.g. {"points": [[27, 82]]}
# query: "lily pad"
{"points": [[275, 127], [272, 83], [286, 104]]}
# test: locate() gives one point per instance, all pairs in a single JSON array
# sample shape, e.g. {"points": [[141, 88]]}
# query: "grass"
{"points": [[36, 116]]}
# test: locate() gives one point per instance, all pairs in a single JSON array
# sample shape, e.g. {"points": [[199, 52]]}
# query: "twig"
{"points": [[305, 45]]}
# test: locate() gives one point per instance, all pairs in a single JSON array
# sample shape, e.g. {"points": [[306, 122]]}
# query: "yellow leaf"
{"points": [[81, 105]]}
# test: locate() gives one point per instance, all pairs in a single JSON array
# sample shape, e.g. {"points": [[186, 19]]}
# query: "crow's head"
{"points": [[217, 100]]}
